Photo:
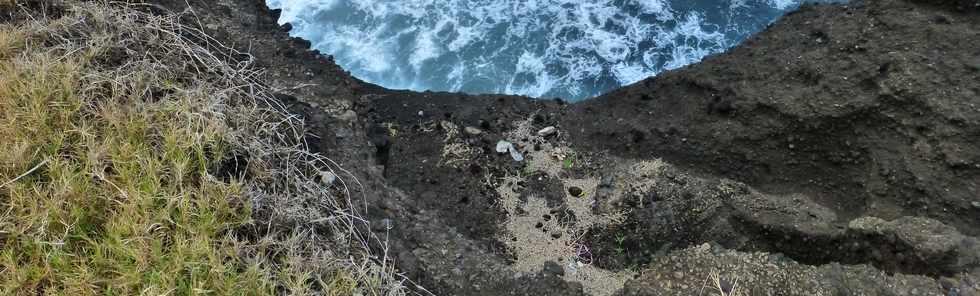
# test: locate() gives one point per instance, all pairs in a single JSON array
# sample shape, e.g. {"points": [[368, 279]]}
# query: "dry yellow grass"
{"points": [[115, 129], [110, 191]]}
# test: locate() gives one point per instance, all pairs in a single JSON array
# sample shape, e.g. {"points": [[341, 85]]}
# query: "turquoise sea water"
{"points": [[573, 49]]}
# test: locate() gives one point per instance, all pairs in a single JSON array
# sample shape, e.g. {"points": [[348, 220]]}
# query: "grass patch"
{"points": [[118, 197], [118, 128]]}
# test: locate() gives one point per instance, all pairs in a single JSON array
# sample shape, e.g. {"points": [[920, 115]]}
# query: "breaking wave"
{"points": [[573, 49]]}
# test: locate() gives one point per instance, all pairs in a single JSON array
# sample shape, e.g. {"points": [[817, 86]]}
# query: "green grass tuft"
{"points": [[121, 198], [116, 130]]}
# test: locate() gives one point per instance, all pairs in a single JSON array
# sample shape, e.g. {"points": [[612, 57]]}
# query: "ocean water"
{"points": [[570, 49]]}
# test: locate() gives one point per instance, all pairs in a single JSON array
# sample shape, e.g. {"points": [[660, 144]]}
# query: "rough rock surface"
{"points": [[870, 109], [707, 270]]}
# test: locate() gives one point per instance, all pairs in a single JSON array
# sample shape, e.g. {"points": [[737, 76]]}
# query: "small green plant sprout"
{"points": [[569, 161], [620, 238], [392, 129]]}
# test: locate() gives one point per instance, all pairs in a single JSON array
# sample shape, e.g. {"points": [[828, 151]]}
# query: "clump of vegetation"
{"points": [[139, 156]]}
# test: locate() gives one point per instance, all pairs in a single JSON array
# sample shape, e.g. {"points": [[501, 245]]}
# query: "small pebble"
{"points": [[348, 116], [472, 130], [516, 155], [547, 131], [503, 146]]}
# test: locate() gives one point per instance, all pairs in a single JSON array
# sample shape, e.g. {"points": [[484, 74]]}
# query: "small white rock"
{"points": [[447, 126], [327, 177], [516, 155], [504, 146], [472, 130], [547, 131], [421, 113]]}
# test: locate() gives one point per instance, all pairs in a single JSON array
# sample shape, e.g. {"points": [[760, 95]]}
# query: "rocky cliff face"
{"points": [[838, 152]]}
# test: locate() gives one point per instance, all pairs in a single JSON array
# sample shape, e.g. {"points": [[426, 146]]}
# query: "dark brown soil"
{"points": [[787, 144]]}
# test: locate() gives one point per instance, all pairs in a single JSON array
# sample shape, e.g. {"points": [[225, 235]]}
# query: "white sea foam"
{"points": [[426, 48], [568, 48], [783, 4], [660, 8], [294, 10]]}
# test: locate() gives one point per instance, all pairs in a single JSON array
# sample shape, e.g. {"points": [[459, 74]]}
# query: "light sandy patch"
{"points": [[536, 234], [454, 151]]}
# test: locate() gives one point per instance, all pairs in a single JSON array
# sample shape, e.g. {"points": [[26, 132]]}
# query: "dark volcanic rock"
{"points": [[879, 118], [959, 5]]}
